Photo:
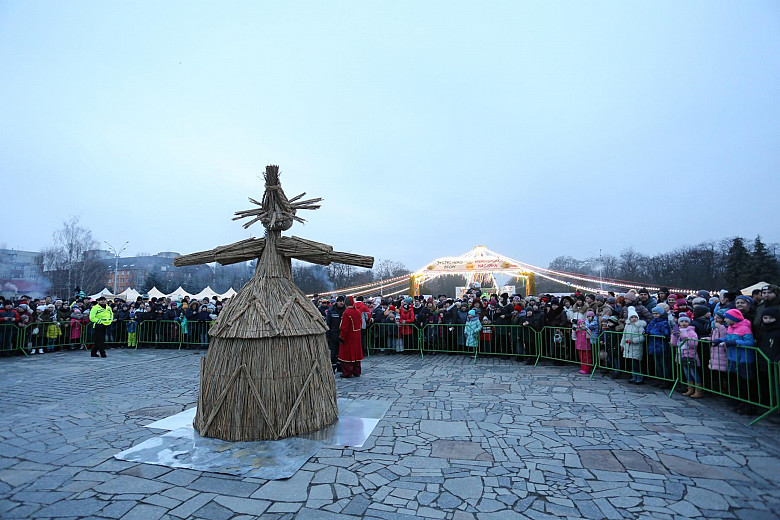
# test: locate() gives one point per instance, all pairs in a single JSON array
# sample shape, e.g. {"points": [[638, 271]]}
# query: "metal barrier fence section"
{"points": [[394, 338], [641, 355]]}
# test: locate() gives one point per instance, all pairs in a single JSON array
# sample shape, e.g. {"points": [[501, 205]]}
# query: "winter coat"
{"points": [[718, 352], [582, 336], [473, 326], [633, 340], [770, 345], [407, 317], [63, 314], [558, 318], [658, 333], [75, 328], [687, 342], [644, 314], [738, 336], [703, 327], [333, 321]]}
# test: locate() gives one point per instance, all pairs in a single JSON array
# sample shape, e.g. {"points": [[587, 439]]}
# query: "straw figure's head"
{"points": [[276, 212]]}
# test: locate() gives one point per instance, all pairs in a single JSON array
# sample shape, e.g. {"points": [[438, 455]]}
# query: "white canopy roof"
{"points": [[129, 295], [747, 291], [179, 294], [105, 292], [208, 292], [154, 292]]}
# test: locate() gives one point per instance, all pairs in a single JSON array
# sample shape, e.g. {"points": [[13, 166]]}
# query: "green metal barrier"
{"points": [[116, 334], [446, 338], [9, 337], [705, 368], [197, 335], [167, 334], [557, 344], [393, 338], [514, 341], [657, 365]]}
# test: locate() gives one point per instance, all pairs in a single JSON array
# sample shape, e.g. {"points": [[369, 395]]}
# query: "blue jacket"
{"points": [[740, 335], [658, 334]]}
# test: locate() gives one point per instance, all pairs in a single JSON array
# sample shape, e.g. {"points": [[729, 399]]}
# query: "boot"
{"points": [[698, 394], [689, 392]]}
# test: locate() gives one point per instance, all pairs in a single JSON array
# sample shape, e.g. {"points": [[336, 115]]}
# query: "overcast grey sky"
{"points": [[534, 128]]}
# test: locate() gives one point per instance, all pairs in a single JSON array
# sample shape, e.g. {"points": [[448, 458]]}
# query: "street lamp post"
{"points": [[116, 260]]}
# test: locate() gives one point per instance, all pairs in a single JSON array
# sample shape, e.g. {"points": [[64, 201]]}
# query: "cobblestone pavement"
{"points": [[492, 440]]}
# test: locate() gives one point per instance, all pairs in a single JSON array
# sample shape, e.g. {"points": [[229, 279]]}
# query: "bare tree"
{"points": [[66, 256]]}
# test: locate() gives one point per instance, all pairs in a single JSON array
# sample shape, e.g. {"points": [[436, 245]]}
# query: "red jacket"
{"points": [[407, 316]]}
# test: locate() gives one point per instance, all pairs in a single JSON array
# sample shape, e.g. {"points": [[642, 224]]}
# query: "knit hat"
{"points": [[632, 312], [590, 314], [611, 300], [734, 315], [704, 294], [350, 301], [340, 299], [699, 311], [773, 311], [683, 317], [472, 312], [644, 291], [699, 301], [746, 298], [630, 297], [658, 309]]}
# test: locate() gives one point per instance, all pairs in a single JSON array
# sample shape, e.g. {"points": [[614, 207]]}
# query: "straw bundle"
{"points": [[267, 373]]}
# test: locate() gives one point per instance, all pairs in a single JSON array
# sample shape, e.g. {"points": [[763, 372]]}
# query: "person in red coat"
{"points": [[350, 347]]}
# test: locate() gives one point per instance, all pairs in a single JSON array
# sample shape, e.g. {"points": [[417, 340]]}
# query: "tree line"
{"points": [[731, 263]]}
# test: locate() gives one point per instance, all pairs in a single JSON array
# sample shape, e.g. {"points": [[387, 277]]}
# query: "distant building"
{"points": [[133, 271], [21, 273]]}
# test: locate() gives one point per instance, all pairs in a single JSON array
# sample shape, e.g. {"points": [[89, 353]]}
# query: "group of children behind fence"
{"points": [[725, 349]]}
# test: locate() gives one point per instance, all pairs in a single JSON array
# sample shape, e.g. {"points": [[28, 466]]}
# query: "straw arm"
{"points": [[318, 253], [240, 251]]}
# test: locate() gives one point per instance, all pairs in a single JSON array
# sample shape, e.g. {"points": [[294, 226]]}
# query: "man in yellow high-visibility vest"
{"points": [[101, 316]]}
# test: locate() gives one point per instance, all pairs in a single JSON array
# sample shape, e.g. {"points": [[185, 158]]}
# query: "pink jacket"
{"points": [[686, 340], [719, 360]]}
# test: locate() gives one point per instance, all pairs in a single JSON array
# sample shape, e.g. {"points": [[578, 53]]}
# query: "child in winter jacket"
{"points": [[658, 349], [685, 339], [610, 343], [486, 336], [633, 345], [719, 362], [472, 328], [740, 346], [582, 343]]}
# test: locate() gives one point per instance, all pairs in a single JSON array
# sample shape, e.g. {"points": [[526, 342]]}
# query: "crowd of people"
{"points": [[39, 326], [723, 343]]}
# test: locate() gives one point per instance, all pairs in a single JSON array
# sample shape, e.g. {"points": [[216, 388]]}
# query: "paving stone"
{"points": [[448, 501], [190, 506], [460, 450], [128, 484], [293, 489], [222, 486], [685, 509], [465, 487], [214, 511], [706, 499], [66, 508], [144, 512], [117, 509], [445, 428], [357, 506]]}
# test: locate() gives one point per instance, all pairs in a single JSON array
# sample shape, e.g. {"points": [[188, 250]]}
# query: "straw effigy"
{"points": [[267, 374]]}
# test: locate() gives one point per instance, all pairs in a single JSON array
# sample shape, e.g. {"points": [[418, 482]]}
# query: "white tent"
{"points": [[228, 294], [154, 292], [747, 291], [129, 295], [105, 292], [179, 294], [208, 292]]}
